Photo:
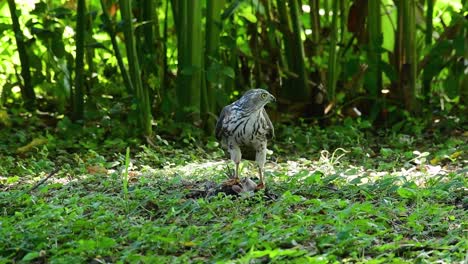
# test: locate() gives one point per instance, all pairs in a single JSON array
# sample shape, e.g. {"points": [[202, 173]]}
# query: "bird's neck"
{"points": [[249, 110]]}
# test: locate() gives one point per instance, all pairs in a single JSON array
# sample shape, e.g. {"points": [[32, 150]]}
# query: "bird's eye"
{"points": [[264, 95]]}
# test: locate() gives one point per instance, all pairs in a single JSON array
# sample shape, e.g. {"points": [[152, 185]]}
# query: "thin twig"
{"points": [[52, 173]]}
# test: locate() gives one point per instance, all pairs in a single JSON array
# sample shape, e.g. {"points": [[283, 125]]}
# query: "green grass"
{"points": [[378, 201]]}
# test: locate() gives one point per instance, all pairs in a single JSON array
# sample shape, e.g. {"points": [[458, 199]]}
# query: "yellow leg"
{"points": [[236, 173]]}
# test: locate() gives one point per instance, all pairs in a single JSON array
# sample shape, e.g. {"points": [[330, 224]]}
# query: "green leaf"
{"points": [[386, 152], [231, 9], [389, 70], [31, 256], [39, 8], [406, 193], [61, 12], [229, 72], [87, 245], [212, 144], [212, 74], [4, 27], [13, 179], [106, 242], [314, 178], [249, 17]]}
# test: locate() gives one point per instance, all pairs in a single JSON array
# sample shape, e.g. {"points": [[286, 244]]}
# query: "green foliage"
{"points": [[236, 46], [346, 182], [345, 195]]}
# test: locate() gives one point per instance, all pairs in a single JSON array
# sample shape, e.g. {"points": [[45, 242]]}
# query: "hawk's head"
{"points": [[255, 99]]}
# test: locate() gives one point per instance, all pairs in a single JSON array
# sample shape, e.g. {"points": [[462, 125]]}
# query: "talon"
{"points": [[260, 186], [237, 189], [232, 181]]}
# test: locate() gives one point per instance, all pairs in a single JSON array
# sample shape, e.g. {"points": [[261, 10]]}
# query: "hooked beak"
{"points": [[272, 98]]}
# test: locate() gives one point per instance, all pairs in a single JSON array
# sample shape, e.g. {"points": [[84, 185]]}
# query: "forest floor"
{"points": [[340, 194]]}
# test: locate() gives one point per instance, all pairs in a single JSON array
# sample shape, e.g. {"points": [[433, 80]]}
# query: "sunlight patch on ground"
{"points": [[327, 165], [200, 167]]}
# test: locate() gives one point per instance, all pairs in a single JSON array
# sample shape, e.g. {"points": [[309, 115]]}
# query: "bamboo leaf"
{"points": [[248, 16], [389, 71], [229, 72], [231, 9]]}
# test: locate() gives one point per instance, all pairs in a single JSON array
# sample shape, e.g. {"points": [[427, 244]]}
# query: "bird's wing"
{"points": [[269, 125], [225, 113]]}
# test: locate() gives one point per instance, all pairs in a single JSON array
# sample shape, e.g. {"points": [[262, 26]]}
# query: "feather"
{"points": [[220, 129], [270, 129]]}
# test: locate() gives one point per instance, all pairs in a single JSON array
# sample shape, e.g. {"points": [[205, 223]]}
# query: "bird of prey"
{"points": [[244, 128]]}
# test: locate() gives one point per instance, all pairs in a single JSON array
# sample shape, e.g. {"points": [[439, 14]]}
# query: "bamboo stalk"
{"points": [[176, 9], [151, 52], [148, 19], [299, 59], [142, 94], [412, 55], [409, 69], [320, 74], [165, 78], [78, 98], [195, 48], [398, 51], [374, 81], [190, 85], [89, 57], [332, 59], [109, 27], [232, 61], [273, 41], [428, 41], [315, 26], [343, 19], [286, 29], [464, 81], [27, 91], [326, 8], [213, 33], [180, 20], [297, 88]]}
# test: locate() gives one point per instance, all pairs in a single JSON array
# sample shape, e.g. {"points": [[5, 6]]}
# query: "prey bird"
{"points": [[244, 127]]}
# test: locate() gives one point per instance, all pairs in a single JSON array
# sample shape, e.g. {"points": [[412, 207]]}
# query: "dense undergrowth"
{"points": [[346, 193]]}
